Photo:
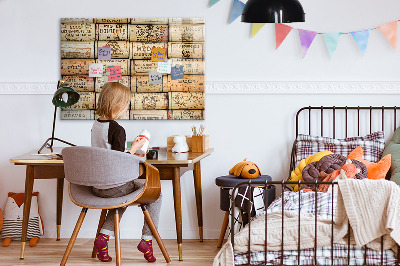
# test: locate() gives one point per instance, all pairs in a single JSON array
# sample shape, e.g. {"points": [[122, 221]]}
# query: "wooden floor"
{"points": [[50, 252]]}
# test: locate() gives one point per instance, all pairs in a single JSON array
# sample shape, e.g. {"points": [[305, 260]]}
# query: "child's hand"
{"points": [[142, 155], [137, 144]]}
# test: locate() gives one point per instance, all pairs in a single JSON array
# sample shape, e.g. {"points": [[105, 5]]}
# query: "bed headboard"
{"points": [[344, 121]]}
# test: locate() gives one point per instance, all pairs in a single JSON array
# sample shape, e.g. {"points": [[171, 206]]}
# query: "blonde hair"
{"points": [[113, 98]]}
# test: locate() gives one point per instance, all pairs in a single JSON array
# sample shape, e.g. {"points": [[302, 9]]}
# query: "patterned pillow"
{"points": [[372, 144]]}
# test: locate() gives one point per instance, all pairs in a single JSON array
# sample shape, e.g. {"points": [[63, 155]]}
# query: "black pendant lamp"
{"points": [[273, 11]]}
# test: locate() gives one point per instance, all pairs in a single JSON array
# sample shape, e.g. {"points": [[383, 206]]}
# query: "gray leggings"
{"points": [[154, 208]]}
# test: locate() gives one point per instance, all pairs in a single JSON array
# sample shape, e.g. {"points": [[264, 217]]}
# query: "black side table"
{"points": [[226, 183]]}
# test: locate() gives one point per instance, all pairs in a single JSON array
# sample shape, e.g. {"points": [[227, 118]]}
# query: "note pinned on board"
{"points": [[158, 54], [155, 77], [177, 72], [115, 73], [96, 70], [164, 67], [104, 53]]}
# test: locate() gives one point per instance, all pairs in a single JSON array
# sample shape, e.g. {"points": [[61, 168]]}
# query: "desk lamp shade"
{"points": [[273, 11], [64, 96]]}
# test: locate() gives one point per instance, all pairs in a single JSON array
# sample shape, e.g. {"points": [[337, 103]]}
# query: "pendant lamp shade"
{"points": [[273, 11]]}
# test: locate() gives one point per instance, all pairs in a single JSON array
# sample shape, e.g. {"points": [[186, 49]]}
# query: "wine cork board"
{"points": [[132, 40]]}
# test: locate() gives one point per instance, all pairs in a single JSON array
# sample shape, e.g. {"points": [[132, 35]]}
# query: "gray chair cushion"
{"points": [[83, 195]]}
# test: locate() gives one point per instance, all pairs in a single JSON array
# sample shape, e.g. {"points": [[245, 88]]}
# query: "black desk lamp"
{"points": [[64, 96], [273, 11]]}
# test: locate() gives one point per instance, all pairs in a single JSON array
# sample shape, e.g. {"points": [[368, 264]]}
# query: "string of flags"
{"points": [[361, 37]]}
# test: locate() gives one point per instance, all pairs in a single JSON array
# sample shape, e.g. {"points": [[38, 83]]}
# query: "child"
{"points": [[106, 133]]}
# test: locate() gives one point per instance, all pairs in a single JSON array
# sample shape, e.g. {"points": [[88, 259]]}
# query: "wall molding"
{"points": [[250, 87]]}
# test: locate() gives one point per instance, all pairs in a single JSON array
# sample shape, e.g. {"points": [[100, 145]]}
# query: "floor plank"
{"points": [[49, 252]]}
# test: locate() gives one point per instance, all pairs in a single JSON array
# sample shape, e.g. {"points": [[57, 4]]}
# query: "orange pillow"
{"points": [[375, 170]]}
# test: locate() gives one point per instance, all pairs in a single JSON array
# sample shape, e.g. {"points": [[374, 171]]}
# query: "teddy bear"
{"points": [[13, 215], [180, 144], [245, 169]]}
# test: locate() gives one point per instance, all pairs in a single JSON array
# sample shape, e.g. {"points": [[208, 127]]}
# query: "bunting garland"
{"points": [[213, 2], [281, 31], [361, 37], [389, 30], [306, 39], [237, 9], [332, 41], [256, 27]]}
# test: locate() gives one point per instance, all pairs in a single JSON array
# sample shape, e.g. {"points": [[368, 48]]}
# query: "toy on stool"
{"points": [[13, 215], [245, 169]]}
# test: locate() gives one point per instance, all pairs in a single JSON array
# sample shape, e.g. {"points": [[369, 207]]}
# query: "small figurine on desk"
{"points": [[180, 144]]}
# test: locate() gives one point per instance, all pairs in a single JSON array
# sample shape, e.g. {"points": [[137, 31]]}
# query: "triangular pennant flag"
{"points": [[237, 9], [361, 37], [332, 41], [255, 28], [390, 32], [213, 2], [281, 31], [306, 39]]}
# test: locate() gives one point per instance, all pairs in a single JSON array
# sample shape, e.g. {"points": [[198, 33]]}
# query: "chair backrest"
{"points": [[92, 166]]}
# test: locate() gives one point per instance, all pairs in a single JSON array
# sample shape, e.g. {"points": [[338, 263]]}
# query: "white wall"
{"points": [[257, 126]]}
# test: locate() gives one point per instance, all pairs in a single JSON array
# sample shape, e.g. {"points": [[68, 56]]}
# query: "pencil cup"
{"points": [[200, 143]]}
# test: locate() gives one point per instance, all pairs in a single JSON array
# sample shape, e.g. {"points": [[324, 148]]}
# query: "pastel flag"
{"points": [[306, 39], [361, 37], [256, 27], [281, 31], [332, 41], [213, 2], [389, 30], [237, 9]]}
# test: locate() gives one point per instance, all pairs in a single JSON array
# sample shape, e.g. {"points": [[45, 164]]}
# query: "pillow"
{"points": [[372, 144], [375, 170], [393, 148]]}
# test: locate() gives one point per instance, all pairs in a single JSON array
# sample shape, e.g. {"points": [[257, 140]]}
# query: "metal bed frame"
{"points": [[284, 184]]}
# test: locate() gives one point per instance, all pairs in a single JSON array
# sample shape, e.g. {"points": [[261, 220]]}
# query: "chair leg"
{"points": [[154, 230], [73, 237], [117, 239], [101, 222], [223, 229]]}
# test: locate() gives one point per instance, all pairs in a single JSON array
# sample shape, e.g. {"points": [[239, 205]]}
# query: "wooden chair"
{"points": [[85, 167]]}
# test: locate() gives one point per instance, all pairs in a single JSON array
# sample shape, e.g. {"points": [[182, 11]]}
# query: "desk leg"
{"points": [[60, 190], [27, 206], [199, 204], [176, 182]]}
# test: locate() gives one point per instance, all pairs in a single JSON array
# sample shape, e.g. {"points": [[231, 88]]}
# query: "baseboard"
{"points": [[247, 87]]}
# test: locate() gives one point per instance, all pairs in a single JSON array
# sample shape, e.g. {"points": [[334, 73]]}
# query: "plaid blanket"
{"points": [[323, 205]]}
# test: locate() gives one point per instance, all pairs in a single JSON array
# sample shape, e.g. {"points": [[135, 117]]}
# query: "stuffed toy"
{"points": [[375, 170], [296, 174], [245, 169], [348, 170], [180, 144], [13, 215], [328, 164]]}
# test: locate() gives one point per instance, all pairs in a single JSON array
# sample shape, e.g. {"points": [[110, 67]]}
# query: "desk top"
{"points": [[164, 157]]}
